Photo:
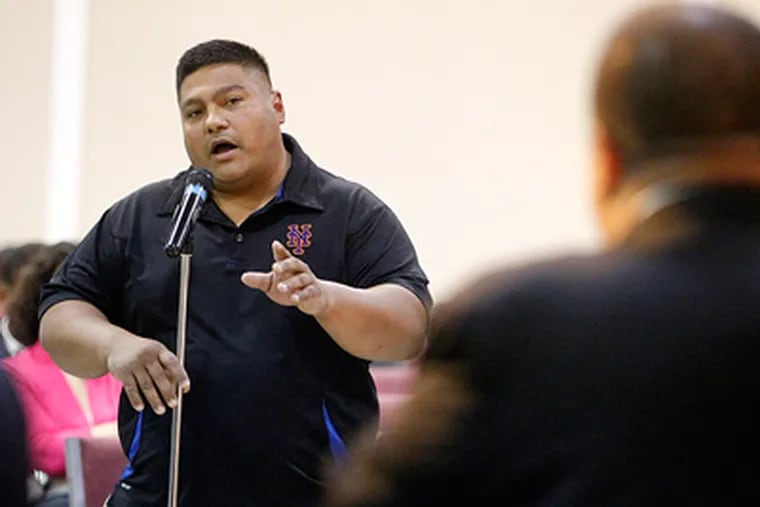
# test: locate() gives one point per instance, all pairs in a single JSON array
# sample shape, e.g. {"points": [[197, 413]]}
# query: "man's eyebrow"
{"points": [[221, 91], [226, 89]]}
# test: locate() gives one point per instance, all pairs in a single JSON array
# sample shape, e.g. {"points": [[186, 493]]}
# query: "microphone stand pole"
{"points": [[184, 285]]}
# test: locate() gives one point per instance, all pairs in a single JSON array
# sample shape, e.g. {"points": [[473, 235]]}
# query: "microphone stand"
{"points": [[176, 429]]}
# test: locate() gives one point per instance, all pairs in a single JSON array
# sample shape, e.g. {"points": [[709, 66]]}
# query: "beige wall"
{"points": [[25, 43], [468, 117]]}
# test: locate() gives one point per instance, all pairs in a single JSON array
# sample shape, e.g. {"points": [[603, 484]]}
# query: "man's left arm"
{"points": [[382, 323], [386, 322]]}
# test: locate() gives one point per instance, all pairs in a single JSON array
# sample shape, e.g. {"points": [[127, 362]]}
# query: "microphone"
{"points": [[199, 183]]}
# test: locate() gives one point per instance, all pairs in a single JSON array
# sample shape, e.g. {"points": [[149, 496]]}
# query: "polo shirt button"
{"points": [[239, 237]]}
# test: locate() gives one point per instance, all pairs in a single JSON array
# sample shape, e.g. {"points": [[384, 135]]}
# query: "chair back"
{"points": [[93, 467], [394, 383]]}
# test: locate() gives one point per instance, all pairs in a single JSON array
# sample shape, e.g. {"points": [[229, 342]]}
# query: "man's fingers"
{"points": [[150, 373], [305, 294], [295, 283], [257, 280], [166, 387], [175, 371], [279, 252], [133, 393], [291, 265], [145, 384], [266, 281]]}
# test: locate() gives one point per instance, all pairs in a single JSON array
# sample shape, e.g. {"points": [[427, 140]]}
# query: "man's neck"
{"points": [[239, 206], [650, 189]]}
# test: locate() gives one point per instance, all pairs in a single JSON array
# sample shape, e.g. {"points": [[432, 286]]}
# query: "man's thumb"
{"points": [[256, 280]]}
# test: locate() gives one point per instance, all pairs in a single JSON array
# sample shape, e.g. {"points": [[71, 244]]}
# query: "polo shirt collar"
{"points": [[301, 184]]}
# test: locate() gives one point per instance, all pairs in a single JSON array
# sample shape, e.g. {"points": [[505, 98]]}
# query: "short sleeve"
{"points": [[379, 250], [93, 272]]}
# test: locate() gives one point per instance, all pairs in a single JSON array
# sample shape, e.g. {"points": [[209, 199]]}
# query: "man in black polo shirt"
{"points": [[299, 278]]}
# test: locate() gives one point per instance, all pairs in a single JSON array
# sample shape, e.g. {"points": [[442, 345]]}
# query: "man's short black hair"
{"points": [[219, 51], [677, 76]]}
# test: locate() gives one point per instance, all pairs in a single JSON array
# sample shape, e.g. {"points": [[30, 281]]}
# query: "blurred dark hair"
{"points": [[676, 76], [25, 296], [13, 258], [219, 51]]}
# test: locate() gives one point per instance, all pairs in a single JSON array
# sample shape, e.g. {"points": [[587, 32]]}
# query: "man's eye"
{"points": [[192, 114], [234, 100]]}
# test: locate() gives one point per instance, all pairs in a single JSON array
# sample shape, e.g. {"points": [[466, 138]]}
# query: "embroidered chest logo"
{"points": [[299, 237]]}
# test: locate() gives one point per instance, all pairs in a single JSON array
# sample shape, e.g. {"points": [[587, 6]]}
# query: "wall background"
{"points": [[470, 118]]}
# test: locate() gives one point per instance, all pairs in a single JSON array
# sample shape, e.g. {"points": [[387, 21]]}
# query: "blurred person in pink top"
{"points": [[57, 405]]}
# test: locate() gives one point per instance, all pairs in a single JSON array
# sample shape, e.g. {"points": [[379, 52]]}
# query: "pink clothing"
{"points": [[52, 411]]}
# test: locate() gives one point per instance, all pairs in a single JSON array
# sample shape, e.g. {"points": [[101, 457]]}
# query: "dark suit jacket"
{"points": [[630, 378], [13, 451]]}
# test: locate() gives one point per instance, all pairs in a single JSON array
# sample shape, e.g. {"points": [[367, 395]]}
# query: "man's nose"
{"points": [[216, 120]]}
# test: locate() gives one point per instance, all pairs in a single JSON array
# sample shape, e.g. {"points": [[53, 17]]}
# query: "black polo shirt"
{"points": [[272, 395]]}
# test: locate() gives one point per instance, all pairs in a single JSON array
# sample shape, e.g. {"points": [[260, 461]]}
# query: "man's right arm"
{"points": [[77, 336], [81, 340]]}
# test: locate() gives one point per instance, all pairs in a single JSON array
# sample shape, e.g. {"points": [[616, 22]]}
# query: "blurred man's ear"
{"points": [[608, 173], [607, 164]]}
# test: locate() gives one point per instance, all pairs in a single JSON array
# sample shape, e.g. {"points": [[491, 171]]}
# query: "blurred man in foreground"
{"points": [[14, 460], [629, 377]]}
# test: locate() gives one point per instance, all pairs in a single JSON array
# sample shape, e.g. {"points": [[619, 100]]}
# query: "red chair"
{"points": [[93, 467], [394, 383], [394, 377]]}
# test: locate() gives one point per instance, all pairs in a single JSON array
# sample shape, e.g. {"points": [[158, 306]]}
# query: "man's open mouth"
{"points": [[223, 147]]}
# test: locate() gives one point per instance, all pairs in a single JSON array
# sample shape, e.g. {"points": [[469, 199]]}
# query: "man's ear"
{"points": [[278, 105], [608, 176], [607, 164]]}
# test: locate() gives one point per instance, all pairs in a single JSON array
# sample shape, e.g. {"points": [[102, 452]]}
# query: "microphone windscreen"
{"points": [[201, 177]]}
